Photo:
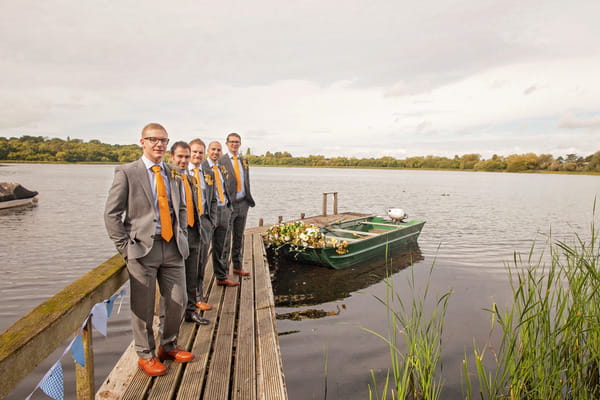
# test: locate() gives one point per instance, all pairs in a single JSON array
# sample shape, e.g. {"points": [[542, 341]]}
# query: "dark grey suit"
{"points": [[200, 239], [131, 221], [237, 224], [221, 227]]}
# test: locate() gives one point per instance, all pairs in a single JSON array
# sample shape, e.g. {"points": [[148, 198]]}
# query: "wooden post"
{"points": [[302, 215], [324, 204], [279, 219], [260, 222], [335, 203], [84, 376]]}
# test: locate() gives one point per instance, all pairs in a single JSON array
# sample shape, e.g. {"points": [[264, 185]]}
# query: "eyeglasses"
{"points": [[234, 141], [154, 140]]}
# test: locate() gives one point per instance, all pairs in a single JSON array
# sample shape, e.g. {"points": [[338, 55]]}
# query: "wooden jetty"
{"points": [[237, 354]]}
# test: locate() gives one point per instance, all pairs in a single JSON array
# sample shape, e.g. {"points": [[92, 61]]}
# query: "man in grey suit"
{"points": [[205, 178], [145, 216], [219, 234], [180, 155], [238, 183]]}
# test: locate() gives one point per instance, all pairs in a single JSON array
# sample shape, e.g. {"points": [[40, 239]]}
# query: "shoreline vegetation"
{"points": [[544, 345], [39, 149]]}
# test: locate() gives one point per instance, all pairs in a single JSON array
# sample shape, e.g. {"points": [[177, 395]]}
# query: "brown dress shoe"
{"points": [[177, 354], [227, 282], [152, 366], [202, 306], [241, 272]]}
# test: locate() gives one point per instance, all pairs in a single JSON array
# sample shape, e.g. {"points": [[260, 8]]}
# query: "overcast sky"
{"points": [[337, 78]]}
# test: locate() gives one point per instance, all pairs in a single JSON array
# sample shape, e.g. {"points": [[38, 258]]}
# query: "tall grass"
{"points": [[414, 339], [550, 335]]}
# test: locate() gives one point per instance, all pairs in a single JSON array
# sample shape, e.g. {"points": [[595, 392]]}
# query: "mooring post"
{"points": [[84, 375], [280, 219], [324, 204], [302, 215], [335, 203], [260, 222]]}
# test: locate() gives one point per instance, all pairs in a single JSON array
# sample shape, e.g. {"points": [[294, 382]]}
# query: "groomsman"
{"points": [[146, 218], [204, 179], [238, 182], [219, 235], [180, 156]]}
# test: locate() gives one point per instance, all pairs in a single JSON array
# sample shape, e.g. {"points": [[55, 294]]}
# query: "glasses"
{"points": [[234, 141], [155, 140]]}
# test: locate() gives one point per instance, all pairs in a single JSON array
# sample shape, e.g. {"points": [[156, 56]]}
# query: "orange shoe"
{"points": [[227, 282], [177, 355], [202, 306], [241, 272], [152, 366]]}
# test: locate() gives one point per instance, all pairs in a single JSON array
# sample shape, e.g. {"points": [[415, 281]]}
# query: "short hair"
{"points": [[198, 141], [234, 134], [153, 125], [215, 141], [180, 143]]}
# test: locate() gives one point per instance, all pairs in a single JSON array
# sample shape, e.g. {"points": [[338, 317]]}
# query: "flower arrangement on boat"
{"points": [[300, 236]]}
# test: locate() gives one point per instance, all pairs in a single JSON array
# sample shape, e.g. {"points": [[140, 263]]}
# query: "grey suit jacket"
{"points": [[129, 215], [228, 196], [208, 177], [225, 161]]}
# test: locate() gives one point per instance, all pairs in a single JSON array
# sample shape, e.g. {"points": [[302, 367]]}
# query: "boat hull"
{"points": [[368, 238], [17, 203]]}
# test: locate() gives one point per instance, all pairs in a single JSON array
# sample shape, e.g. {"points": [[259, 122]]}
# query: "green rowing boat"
{"points": [[350, 243]]}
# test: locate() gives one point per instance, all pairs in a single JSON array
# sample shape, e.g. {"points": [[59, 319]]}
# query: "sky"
{"points": [[336, 78]]}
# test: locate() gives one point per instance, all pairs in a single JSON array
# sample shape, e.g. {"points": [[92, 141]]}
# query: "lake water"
{"points": [[475, 221]]}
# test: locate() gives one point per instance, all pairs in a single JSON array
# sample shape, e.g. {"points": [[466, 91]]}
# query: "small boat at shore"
{"points": [[15, 195], [342, 244]]}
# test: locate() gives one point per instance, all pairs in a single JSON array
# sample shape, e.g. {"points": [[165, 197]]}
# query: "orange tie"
{"points": [[199, 189], [189, 203], [219, 184], [236, 169], [166, 230]]}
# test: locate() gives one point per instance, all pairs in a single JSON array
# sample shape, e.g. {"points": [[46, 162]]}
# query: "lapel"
{"points": [[142, 177], [174, 186]]}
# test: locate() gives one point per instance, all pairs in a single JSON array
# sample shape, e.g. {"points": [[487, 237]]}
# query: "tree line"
{"points": [[42, 149]]}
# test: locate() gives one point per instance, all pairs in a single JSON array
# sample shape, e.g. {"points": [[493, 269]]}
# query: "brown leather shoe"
{"points": [[241, 272], [177, 354], [227, 282], [202, 306], [152, 366]]}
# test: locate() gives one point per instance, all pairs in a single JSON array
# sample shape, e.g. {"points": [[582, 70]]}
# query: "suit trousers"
{"points": [[219, 239], [192, 264], [235, 237], [164, 264], [206, 226]]}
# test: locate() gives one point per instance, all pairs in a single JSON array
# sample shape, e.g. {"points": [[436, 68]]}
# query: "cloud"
{"points": [[570, 121], [530, 90]]}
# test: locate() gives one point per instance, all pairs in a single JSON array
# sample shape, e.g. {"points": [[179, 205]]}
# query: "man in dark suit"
{"points": [[219, 234], [204, 179], [146, 219], [180, 156], [238, 183]]}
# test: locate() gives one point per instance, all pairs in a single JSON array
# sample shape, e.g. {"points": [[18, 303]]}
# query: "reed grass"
{"points": [[414, 339], [550, 335]]}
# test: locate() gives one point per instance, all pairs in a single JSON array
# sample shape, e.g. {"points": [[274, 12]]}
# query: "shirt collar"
{"points": [[149, 164]]}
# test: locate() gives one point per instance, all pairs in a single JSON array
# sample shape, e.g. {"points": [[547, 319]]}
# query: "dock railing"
{"points": [[31, 339], [335, 202]]}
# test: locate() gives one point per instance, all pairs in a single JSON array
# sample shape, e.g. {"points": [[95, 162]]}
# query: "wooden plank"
{"points": [[271, 383], [244, 384], [194, 376], [165, 387], [219, 372], [381, 223], [115, 385]]}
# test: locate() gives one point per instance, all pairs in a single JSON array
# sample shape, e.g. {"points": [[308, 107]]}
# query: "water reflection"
{"points": [[296, 284]]}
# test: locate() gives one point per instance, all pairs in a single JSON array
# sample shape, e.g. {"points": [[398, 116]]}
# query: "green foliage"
{"points": [[41, 149]]}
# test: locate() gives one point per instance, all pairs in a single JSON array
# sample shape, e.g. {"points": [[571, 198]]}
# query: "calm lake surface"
{"points": [[475, 221]]}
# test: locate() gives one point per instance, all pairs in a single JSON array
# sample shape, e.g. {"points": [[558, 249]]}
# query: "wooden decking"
{"points": [[237, 354]]}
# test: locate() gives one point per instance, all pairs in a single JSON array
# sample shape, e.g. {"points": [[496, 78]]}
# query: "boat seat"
{"points": [[351, 231], [379, 223], [341, 239]]}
